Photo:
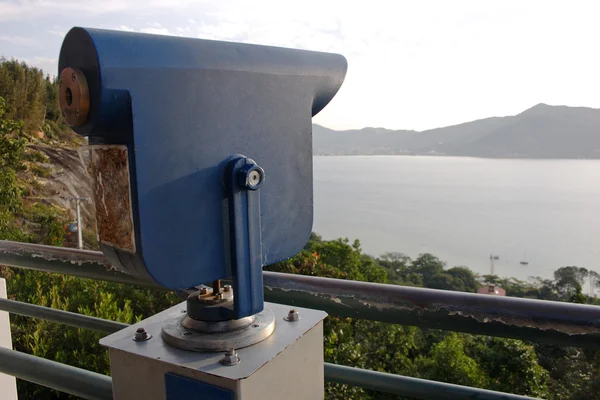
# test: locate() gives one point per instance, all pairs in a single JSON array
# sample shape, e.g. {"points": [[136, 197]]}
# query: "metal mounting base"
{"points": [[228, 334]]}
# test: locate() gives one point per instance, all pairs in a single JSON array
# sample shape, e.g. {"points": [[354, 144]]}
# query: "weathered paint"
{"points": [[535, 320], [109, 169], [82, 263]]}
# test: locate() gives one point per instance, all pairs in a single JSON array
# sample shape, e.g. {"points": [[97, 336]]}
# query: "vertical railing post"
{"points": [[79, 224], [8, 384]]}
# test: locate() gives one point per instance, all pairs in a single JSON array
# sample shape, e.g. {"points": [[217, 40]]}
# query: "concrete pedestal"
{"points": [[287, 365]]}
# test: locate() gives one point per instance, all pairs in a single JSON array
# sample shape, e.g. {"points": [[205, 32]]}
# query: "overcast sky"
{"points": [[412, 64]]}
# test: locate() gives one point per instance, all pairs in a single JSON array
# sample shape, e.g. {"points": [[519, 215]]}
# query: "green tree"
{"points": [[396, 265], [510, 365], [491, 279], [25, 93], [459, 279], [464, 279], [448, 362], [428, 266], [569, 281], [11, 154]]}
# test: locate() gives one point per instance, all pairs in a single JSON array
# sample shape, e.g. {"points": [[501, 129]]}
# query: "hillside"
{"points": [[542, 131], [40, 170]]}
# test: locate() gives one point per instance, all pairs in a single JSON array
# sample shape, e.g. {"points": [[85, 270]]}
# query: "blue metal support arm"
{"points": [[243, 181]]}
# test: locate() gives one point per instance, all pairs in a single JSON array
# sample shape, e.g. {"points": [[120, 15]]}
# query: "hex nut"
{"points": [[141, 335], [292, 316], [230, 358]]}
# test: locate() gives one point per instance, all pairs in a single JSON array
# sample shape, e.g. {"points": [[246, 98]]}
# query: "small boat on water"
{"points": [[524, 261]]}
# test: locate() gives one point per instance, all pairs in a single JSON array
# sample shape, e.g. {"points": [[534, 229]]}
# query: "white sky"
{"points": [[412, 64]]}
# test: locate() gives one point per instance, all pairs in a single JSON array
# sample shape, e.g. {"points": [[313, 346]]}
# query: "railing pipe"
{"points": [[91, 385], [559, 323], [554, 322], [379, 381], [412, 387], [52, 374], [82, 263], [61, 316]]}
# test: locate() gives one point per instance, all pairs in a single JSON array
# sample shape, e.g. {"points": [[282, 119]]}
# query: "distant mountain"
{"points": [[542, 131]]}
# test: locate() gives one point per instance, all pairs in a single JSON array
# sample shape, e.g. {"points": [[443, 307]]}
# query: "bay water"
{"points": [[544, 212]]}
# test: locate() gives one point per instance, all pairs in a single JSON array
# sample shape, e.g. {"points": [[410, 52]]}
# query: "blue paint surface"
{"points": [[183, 107], [183, 388]]}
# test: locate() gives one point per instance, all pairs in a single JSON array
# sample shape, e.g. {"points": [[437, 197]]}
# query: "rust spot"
{"points": [[109, 168]]}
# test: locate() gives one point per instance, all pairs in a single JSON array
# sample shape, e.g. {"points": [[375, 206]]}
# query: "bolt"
{"points": [[230, 358], [227, 288], [254, 178], [203, 290], [77, 113], [251, 176], [292, 316], [141, 335], [73, 77], [219, 296]]}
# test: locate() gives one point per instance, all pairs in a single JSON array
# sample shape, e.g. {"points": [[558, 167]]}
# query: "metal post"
{"points": [[8, 384], [79, 233]]}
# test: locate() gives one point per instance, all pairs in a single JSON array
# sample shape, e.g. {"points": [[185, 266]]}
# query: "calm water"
{"points": [[463, 209]]}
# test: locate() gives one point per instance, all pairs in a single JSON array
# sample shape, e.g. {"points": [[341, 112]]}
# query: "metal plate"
{"points": [[252, 357], [181, 387], [175, 334], [108, 167]]}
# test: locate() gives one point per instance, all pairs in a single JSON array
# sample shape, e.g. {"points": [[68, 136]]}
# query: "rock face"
{"points": [[542, 131], [68, 179]]}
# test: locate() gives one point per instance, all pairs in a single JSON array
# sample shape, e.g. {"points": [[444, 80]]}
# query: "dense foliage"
{"points": [[494, 363], [28, 105]]}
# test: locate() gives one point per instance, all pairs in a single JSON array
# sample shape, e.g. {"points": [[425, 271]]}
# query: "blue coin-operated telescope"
{"points": [[200, 158], [201, 154]]}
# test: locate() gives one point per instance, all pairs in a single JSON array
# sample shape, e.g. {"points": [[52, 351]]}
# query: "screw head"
{"points": [[230, 358], [227, 288], [292, 316], [252, 176], [141, 335]]}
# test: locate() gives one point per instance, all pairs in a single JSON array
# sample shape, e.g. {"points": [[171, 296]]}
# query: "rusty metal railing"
{"points": [[543, 321], [527, 319], [91, 385]]}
